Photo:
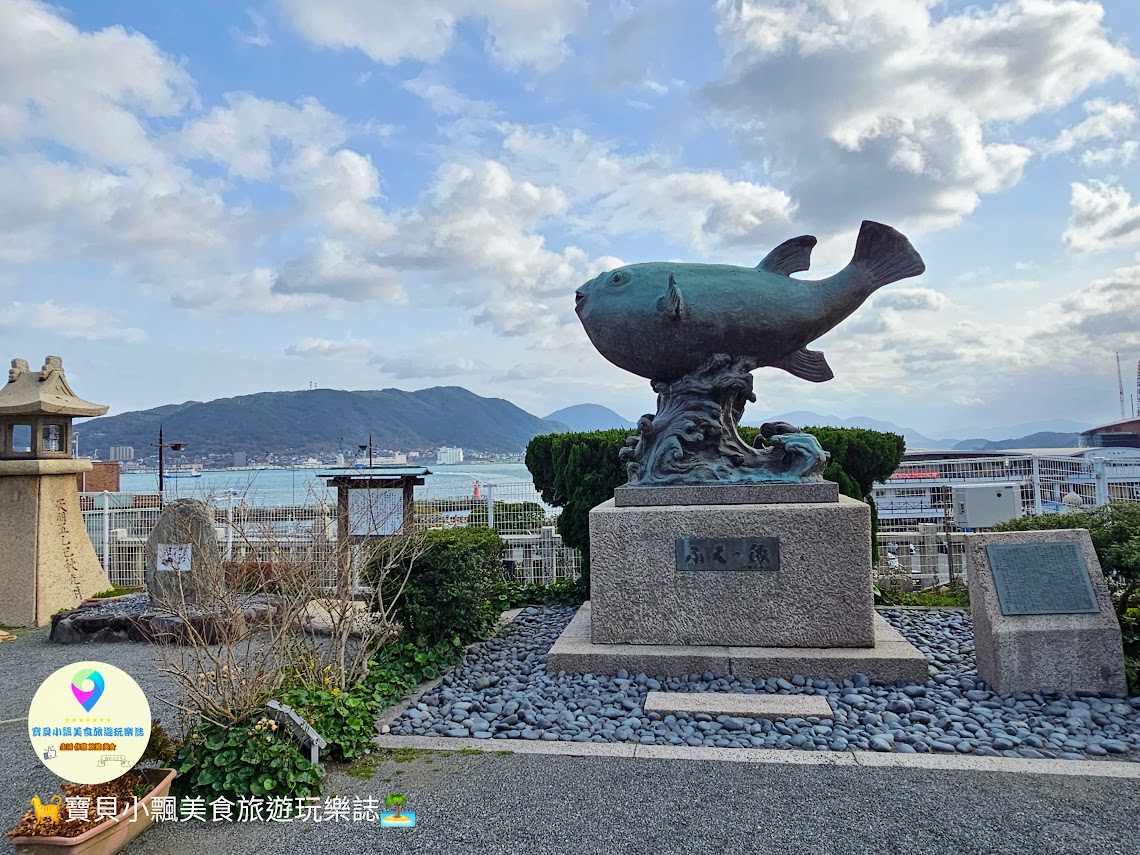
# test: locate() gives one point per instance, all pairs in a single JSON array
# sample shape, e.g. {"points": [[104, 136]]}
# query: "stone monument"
{"points": [[47, 562], [1043, 616], [718, 555], [183, 561]]}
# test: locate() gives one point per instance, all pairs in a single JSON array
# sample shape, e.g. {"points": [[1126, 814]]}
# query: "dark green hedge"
{"points": [[449, 587], [577, 471]]}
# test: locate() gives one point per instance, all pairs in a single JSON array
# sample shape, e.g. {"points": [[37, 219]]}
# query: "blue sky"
{"points": [[209, 199]]}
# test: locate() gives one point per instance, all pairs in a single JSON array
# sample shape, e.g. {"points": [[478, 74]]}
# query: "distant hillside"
{"points": [[1041, 439], [325, 420], [806, 418], [586, 417]]}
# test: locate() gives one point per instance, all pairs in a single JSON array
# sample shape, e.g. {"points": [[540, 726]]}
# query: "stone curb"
{"points": [[791, 757]]}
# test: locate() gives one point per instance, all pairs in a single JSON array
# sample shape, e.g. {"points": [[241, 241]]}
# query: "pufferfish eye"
{"points": [[616, 278]]}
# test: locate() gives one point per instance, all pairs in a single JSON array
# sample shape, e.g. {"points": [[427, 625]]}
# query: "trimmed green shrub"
{"points": [[448, 587], [577, 471]]}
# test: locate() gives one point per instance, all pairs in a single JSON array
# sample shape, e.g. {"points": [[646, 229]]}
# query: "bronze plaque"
{"points": [[728, 554], [1042, 579]]}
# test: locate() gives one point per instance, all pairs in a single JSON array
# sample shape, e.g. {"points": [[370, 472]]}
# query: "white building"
{"points": [[920, 491], [122, 453], [446, 455]]}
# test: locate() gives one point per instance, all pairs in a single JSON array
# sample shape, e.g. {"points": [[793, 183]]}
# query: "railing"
{"points": [[921, 558], [120, 523]]}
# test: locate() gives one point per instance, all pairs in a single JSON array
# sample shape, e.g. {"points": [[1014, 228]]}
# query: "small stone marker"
{"points": [[739, 705], [183, 559], [1043, 616]]}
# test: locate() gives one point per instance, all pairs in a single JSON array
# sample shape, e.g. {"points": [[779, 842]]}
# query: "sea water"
{"points": [[279, 487]]}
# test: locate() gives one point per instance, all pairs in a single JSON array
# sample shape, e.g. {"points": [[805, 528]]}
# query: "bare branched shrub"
{"points": [[286, 608]]}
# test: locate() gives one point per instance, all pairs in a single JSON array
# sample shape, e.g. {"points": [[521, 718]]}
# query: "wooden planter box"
{"points": [[109, 836]]}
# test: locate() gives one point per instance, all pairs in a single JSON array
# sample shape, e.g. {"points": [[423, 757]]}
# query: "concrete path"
{"points": [[565, 805], [632, 801]]}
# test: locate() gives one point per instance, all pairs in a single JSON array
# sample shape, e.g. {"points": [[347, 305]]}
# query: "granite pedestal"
{"points": [[814, 592], [780, 585], [1043, 616], [892, 658]]}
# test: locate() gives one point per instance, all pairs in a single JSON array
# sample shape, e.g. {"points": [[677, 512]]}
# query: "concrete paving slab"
{"points": [[793, 757], [745, 755], [738, 704], [515, 746]]}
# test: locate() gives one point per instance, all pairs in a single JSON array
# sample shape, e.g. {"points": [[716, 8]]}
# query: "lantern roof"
{"points": [[44, 392]]}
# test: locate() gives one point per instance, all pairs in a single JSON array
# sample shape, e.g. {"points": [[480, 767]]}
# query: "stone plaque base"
{"points": [[47, 562], [727, 494], [891, 659], [820, 595], [1078, 652]]}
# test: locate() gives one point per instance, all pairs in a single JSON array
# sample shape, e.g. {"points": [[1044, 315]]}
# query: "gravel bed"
{"points": [[502, 691], [140, 604]]}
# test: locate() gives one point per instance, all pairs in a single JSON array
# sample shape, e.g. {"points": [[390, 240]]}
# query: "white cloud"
{"points": [[911, 300], [259, 37], [1102, 217], [321, 347], [90, 92], [71, 321], [241, 135], [875, 103], [333, 269], [251, 292], [622, 194], [519, 32], [1107, 121], [426, 367]]}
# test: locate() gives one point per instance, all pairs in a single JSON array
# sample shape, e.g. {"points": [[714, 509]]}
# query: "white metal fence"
{"points": [[920, 491], [254, 536]]}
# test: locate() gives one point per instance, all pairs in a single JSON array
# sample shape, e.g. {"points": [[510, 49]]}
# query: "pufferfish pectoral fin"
{"points": [[807, 365], [790, 257], [672, 304]]}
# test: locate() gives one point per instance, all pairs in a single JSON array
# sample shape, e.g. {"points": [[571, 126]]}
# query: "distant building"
{"points": [[446, 455], [102, 477], [121, 453], [340, 461], [239, 458], [400, 459], [1122, 434], [1049, 480]]}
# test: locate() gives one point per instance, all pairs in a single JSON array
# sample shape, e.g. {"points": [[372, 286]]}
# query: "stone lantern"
{"points": [[47, 562]]}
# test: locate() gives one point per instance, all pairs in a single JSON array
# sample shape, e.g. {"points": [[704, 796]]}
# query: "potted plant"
{"points": [[48, 829]]}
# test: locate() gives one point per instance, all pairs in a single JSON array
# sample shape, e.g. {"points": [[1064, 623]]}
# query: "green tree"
{"points": [[578, 471]]}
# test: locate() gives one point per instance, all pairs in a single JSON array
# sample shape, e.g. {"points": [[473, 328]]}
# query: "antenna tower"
{"points": [[1120, 381]]}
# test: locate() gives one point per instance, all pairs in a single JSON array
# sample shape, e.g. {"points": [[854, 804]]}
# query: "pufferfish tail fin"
{"points": [[807, 365], [884, 256]]}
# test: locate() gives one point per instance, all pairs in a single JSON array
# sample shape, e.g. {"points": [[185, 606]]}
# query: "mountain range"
{"points": [[330, 420], [325, 420], [1055, 433], [587, 417]]}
